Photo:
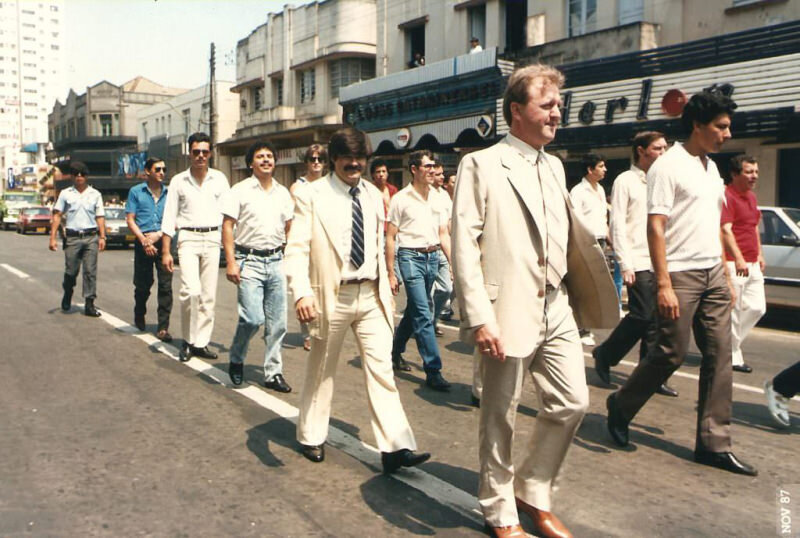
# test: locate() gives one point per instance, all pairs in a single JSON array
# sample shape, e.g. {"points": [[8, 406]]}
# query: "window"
{"points": [[631, 11], [308, 89], [349, 71], [187, 120], [258, 97], [581, 17], [105, 125], [476, 16], [277, 92], [144, 131], [773, 229], [415, 45]]}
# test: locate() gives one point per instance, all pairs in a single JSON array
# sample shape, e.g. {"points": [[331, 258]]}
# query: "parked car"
{"points": [[14, 201], [117, 231], [34, 219], [780, 242]]}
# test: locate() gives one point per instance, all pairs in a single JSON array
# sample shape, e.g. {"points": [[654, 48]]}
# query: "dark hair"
{"points": [[258, 145], [737, 163], [415, 158], [591, 159], [319, 150], [643, 140], [349, 141], [703, 107], [77, 167], [199, 137], [148, 164], [377, 163], [448, 175]]}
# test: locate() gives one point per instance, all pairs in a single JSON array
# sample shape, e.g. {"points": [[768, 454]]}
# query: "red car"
{"points": [[34, 219]]}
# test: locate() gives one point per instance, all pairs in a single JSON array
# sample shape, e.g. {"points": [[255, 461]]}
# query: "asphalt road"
{"points": [[105, 433]]}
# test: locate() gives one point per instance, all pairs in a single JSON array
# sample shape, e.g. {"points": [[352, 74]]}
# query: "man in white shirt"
{"points": [[337, 275], [194, 206], [629, 235], [475, 46], [685, 194], [418, 225], [443, 285], [261, 210]]}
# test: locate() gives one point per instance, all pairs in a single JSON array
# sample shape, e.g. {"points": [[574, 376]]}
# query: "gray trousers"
{"points": [[705, 308], [77, 251]]}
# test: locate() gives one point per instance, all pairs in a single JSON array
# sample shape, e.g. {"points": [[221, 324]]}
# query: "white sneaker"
{"points": [[778, 406]]}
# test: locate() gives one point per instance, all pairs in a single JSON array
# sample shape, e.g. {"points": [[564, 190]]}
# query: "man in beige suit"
{"points": [[520, 258], [337, 274]]}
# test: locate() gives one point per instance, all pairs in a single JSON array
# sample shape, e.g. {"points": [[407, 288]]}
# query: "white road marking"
{"points": [[14, 271], [445, 493]]}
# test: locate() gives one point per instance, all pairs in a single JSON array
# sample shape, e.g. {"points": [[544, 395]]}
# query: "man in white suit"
{"points": [[337, 274], [520, 258]]}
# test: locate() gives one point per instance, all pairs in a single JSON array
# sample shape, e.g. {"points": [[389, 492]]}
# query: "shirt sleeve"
{"points": [[61, 203], [288, 208], [170, 209], [99, 209], [394, 212], [230, 204], [619, 225], [131, 204], [660, 192], [728, 212]]}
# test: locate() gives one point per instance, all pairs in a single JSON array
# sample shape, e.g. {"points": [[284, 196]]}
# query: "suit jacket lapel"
{"points": [[327, 215], [521, 176]]}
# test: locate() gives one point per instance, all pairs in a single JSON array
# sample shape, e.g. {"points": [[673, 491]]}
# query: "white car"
{"points": [[780, 242]]}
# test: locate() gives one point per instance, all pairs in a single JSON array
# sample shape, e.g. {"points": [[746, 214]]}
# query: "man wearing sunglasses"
{"points": [[84, 216], [194, 206], [144, 211]]}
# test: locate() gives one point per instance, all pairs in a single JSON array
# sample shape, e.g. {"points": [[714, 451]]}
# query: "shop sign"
{"points": [[484, 125], [402, 138]]}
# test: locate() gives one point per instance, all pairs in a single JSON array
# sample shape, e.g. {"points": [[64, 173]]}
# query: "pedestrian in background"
{"points": [[779, 390], [144, 211], [257, 216], [194, 207], [82, 208], [740, 218], [443, 285]]}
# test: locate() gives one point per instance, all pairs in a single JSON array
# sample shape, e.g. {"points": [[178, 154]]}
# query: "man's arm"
{"points": [[297, 257], [730, 246], [444, 240], [391, 234], [619, 230], [667, 301], [101, 230], [147, 245], [232, 272], [54, 226], [168, 226], [761, 262], [725, 268]]}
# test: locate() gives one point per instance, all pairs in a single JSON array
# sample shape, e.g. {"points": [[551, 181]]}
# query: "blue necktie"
{"points": [[357, 238]]}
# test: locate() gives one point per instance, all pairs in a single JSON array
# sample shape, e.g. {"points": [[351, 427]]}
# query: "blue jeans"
{"points": [[419, 271], [442, 287], [262, 301]]}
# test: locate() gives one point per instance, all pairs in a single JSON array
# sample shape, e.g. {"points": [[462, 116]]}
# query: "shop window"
{"points": [[349, 71], [308, 87], [581, 17]]}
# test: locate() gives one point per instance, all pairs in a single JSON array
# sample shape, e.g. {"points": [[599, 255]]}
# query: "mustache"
{"points": [[353, 167]]}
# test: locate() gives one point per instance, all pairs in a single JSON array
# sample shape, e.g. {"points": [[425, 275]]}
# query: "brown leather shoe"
{"points": [[512, 531], [545, 524]]}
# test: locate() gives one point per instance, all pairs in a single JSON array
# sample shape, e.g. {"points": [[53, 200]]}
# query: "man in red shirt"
{"points": [[740, 217]]}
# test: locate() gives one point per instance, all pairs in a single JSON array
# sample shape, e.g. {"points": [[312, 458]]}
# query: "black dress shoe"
{"points": [[315, 453], [66, 301], [743, 368], [138, 321], [90, 310], [617, 426], [474, 401], [435, 381], [236, 371], [666, 390], [185, 353], [392, 461], [278, 384], [726, 461], [202, 352], [399, 364], [602, 368]]}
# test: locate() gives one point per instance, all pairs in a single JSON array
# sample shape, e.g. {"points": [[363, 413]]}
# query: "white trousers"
{"points": [[557, 369], [750, 305], [358, 309], [199, 262]]}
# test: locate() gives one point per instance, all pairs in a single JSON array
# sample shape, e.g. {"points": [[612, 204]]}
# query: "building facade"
{"points": [[289, 73]]}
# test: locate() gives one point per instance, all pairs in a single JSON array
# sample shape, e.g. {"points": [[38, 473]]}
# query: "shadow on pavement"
{"points": [[757, 416], [280, 431]]}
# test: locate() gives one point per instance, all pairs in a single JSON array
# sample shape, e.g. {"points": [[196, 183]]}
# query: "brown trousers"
{"points": [[705, 308]]}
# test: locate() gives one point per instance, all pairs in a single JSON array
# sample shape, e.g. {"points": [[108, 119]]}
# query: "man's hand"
{"points": [[167, 261], [101, 244], [306, 309], [761, 263], [628, 277], [147, 244], [489, 344], [668, 306], [394, 284], [53, 245], [232, 273], [741, 267]]}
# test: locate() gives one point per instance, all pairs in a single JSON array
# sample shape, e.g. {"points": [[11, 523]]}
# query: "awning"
{"points": [[445, 132]]}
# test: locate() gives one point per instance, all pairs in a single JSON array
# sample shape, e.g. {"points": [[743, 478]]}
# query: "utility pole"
{"points": [[212, 115]]}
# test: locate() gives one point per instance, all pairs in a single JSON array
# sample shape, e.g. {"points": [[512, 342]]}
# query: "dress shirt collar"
{"points": [[161, 194], [344, 188], [639, 173], [594, 189], [255, 183], [525, 149]]}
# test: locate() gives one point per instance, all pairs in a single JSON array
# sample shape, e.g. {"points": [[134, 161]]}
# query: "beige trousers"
{"points": [[357, 308], [199, 262], [557, 370]]}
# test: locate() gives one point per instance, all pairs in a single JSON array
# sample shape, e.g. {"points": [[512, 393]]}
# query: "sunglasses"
{"points": [[160, 168], [198, 152], [315, 159], [76, 174]]}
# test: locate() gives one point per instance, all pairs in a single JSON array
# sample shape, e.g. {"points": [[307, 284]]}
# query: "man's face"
{"points": [[349, 167], [424, 173], [314, 164], [438, 177], [199, 153], [597, 173], [747, 178], [450, 185], [380, 175], [263, 164], [80, 180], [156, 172], [714, 134], [648, 155], [537, 121]]}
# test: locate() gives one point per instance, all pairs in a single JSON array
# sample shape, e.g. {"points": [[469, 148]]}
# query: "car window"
{"points": [[115, 213], [793, 214], [772, 228]]}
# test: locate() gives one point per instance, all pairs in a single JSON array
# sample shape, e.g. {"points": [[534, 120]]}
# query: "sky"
{"points": [[166, 41]]}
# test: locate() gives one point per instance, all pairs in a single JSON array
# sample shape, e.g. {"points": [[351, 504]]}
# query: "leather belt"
{"points": [[257, 252], [202, 230], [356, 281], [424, 250], [81, 233]]}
